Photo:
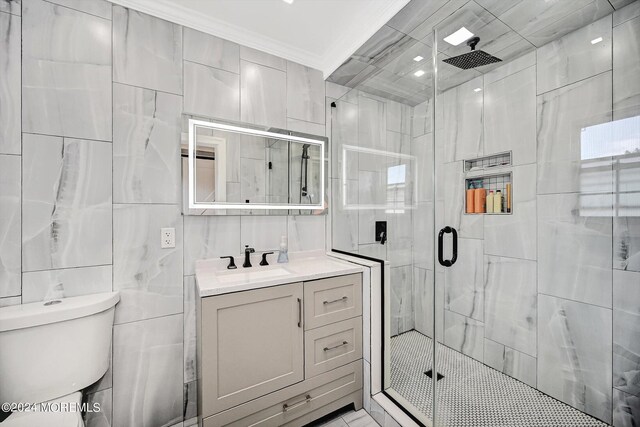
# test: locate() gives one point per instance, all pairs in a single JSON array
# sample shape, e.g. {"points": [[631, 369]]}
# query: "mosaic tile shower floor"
{"points": [[471, 393]]}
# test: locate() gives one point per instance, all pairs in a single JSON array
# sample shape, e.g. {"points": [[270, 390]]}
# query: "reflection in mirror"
{"points": [[251, 171]]}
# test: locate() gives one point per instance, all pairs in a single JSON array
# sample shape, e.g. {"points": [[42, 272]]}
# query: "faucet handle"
{"points": [[247, 249], [264, 258], [232, 263]]}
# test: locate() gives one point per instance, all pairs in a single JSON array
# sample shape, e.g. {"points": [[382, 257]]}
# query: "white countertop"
{"points": [[213, 278]]}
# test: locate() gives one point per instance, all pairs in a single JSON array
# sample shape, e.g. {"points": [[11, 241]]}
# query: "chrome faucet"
{"points": [[247, 256]]}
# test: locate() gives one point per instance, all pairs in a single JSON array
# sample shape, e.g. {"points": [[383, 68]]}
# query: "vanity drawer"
{"points": [[331, 346], [332, 300], [287, 405]]}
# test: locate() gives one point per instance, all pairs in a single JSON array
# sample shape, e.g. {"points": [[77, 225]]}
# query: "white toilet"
{"points": [[50, 351]]}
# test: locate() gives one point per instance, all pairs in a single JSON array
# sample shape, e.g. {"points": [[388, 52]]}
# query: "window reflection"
{"points": [[610, 170]]}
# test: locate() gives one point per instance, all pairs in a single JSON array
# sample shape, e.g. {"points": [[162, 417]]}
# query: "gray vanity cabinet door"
{"points": [[252, 345]]}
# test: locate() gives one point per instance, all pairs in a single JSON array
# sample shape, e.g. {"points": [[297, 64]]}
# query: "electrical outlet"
{"points": [[167, 238]]}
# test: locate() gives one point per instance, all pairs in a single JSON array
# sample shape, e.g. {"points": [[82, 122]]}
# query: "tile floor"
{"points": [[471, 393], [346, 419]]}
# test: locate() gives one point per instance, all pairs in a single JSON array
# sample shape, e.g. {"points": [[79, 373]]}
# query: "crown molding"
{"points": [[366, 25]]}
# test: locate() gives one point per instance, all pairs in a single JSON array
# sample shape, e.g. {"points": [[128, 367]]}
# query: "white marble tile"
{"points": [[422, 118], [573, 57], [373, 250], [10, 225], [262, 58], [210, 50], [562, 114], [305, 127], [7, 301], [372, 130], [103, 417], [510, 295], [632, 10], [511, 362], [189, 321], [402, 309], [149, 278], [147, 51], [626, 409], [210, 237], [263, 98], [423, 290], [11, 6], [66, 203], [574, 354], [335, 91], [253, 180], [626, 331], [305, 93], [400, 237], [200, 85], [99, 8], [147, 372], [344, 222], [190, 410], [626, 243], [66, 82], [423, 235], [10, 96], [377, 412], [306, 232], [525, 61], [464, 335], [68, 282], [574, 250], [344, 131], [359, 419], [515, 235], [541, 22], [626, 66], [461, 132], [263, 233], [464, 284], [146, 145], [510, 116]]}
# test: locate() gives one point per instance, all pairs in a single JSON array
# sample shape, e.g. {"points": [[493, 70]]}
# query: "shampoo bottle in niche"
{"points": [[283, 254], [489, 201], [497, 202]]}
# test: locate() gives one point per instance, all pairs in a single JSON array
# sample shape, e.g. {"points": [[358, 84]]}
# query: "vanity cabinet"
{"points": [[252, 345], [279, 355]]}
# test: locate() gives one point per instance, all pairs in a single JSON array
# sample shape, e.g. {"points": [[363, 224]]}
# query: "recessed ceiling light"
{"points": [[418, 73], [288, 1], [459, 36], [598, 40], [477, 89], [418, 58]]}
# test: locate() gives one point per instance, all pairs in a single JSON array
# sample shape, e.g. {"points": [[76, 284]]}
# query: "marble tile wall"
{"points": [[90, 172]]}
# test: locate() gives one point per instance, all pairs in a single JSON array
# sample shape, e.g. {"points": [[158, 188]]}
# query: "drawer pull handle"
{"points": [[336, 346], [286, 407], [299, 313], [335, 300]]}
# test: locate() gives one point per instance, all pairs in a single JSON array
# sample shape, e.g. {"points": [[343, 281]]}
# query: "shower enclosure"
{"points": [[524, 311]]}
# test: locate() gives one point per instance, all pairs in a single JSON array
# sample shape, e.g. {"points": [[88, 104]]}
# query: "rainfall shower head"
{"points": [[473, 59]]}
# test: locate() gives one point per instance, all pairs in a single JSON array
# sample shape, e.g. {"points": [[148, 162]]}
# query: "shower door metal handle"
{"points": [[454, 258]]}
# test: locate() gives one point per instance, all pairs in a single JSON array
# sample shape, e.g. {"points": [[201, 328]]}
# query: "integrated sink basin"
{"points": [[213, 277]]}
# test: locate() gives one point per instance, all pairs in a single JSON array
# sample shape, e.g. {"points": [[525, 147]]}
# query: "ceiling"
{"points": [[384, 64], [317, 33]]}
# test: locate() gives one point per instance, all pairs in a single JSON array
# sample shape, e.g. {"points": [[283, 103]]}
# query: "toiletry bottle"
{"points": [[490, 202], [508, 198], [470, 200], [479, 196], [497, 202], [283, 254]]}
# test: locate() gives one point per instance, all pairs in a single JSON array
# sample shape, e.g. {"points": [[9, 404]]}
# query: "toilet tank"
{"points": [[51, 349]]}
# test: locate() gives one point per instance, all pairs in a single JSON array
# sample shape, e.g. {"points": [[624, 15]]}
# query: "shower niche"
{"points": [[485, 178], [232, 168]]}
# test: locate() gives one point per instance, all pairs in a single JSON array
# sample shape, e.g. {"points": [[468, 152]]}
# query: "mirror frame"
{"points": [[193, 204]]}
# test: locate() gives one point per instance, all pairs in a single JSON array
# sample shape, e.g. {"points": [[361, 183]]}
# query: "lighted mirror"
{"points": [[235, 169]]}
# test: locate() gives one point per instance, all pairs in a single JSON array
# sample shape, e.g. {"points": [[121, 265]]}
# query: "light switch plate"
{"points": [[167, 238]]}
